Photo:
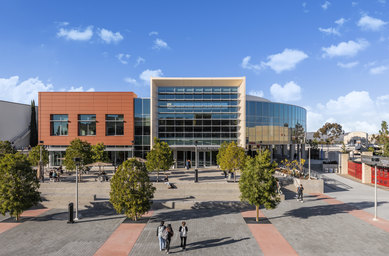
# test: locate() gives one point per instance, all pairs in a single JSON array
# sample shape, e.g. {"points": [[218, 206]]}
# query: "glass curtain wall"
{"points": [[207, 115], [142, 127], [269, 123]]}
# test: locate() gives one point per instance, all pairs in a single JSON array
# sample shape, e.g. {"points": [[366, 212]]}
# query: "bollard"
{"points": [[196, 176], [70, 211], [173, 205]]}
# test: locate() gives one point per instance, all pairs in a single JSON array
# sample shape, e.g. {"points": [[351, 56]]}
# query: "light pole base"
{"points": [[375, 219]]}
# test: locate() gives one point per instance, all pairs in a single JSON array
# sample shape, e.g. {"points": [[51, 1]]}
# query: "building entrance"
{"points": [[206, 158]]}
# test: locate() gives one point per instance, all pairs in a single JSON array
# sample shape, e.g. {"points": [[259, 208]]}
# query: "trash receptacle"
{"points": [[70, 211]]}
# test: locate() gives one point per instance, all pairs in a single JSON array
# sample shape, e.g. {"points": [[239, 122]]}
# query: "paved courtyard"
{"points": [[322, 225]]}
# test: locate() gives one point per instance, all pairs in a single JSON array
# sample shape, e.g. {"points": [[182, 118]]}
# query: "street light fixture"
{"points": [[375, 160], [196, 162], [77, 160]]}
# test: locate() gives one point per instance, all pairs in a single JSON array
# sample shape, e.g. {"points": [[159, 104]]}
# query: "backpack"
{"points": [[165, 234]]}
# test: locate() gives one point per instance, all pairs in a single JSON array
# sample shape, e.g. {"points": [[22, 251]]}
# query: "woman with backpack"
{"points": [[169, 233]]}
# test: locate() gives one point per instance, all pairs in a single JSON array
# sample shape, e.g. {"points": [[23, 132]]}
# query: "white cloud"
{"points": [[289, 92], [145, 75], [325, 5], [347, 49], [382, 1], [378, 70], [247, 65], [77, 89], [109, 36], [160, 44], [348, 64], [130, 80], [140, 60], [356, 111], [14, 90], [286, 60], [330, 31], [256, 93], [76, 34], [153, 33], [370, 23], [123, 57], [340, 21]]}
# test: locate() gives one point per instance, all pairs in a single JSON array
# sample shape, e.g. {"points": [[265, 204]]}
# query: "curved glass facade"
{"points": [[269, 123]]}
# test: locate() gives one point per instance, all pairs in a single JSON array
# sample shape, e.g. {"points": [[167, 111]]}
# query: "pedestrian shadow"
{"points": [[329, 209]]}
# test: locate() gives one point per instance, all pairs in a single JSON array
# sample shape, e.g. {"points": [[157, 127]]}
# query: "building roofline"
{"points": [[16, 103]]}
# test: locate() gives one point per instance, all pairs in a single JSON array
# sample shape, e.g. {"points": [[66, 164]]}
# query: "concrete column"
{"points": [[175, 158], [292, 151], [344, 164], [50, 158], [366, 173]]}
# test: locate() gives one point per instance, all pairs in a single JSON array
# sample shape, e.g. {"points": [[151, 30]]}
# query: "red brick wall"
{"points": [[75, 103], [382, 176]]}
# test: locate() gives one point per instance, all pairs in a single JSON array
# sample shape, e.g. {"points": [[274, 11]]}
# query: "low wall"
{"points": [[310, 186]]}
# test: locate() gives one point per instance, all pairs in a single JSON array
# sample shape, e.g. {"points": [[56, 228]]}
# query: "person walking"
{"points": [[169, 233], [161, 228], [183, 234], [300, 193]]}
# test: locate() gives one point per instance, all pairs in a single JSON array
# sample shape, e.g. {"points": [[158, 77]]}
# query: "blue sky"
{"points": [[331, 57]]}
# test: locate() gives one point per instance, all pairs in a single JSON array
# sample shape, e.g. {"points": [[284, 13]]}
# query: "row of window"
{"points": [[114, 125], [196, 89], [197, 122], [198, 129], [198, 97]]}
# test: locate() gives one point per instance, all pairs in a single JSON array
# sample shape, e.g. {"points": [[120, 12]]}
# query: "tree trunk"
{"points": [[234, 176], [17, 217], [257, 210], [158, 176]]}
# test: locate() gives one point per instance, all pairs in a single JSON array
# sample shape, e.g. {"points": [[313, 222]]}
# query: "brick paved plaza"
{"points": [[322, 225]]}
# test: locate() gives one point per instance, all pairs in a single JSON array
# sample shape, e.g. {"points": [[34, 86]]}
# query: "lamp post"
{"points": [[77, 161], [375, 160], [309, 162], [196, 162]]}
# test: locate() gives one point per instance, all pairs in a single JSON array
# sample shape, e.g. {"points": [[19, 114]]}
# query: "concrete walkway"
{"points": [[357, 194]]}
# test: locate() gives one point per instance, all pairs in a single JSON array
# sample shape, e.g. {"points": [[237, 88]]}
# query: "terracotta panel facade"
{"points": [[76, 103]]}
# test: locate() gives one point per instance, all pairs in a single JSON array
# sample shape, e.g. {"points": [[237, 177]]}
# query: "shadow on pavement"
{"points": [[330, 209], [212, 243]]}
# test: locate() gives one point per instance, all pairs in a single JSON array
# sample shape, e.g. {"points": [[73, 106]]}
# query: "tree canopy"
{"points": [[221, 152], [160, 157], [78, 148], [99, 154], [232, 158], [6, 148], [34, 155], [257, 184], [131, 189], [18, 185], [329, 132], [383, 138]]}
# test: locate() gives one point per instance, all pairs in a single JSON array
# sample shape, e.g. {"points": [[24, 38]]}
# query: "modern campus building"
{"points": [[185, 112]]}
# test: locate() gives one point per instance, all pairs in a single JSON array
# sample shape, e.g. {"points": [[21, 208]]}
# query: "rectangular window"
{"points": [[86, 125], [59, 125], [114, 125]]}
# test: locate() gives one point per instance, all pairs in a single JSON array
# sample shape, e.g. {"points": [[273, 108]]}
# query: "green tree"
{"points": [[160, 158], [232, 159], [18, 185], [99, 154], [383, 138], [221, 152], [6, 148], [33, 126], [81, 149], [257, 184], [34, 155], [131, 189], [329, 132]]}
